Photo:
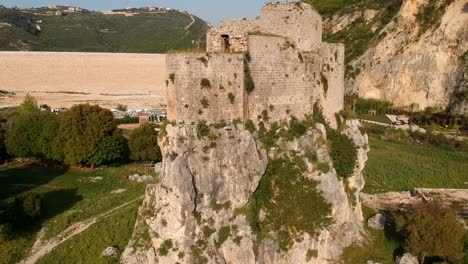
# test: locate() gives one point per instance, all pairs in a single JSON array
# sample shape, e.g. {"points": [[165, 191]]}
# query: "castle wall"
{"points": [[237, 30], [285, 79], [333, 71], [298, 22], [225, 75]]}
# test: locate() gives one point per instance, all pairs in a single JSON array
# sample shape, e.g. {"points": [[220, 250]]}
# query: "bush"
{"points": [[26, 208], [248, 81], [143, 144], [296, 128], [231, 98], [364, 105], [122, 107], [88, 135], [3, 153], [128, 120], [203, 129], [204, 102], [5, 232], [343, 153], [250, 126], [31, 132], [205, 83], [432, 231], [317, 114], [284, 184], [23, 129], [165, 247]]}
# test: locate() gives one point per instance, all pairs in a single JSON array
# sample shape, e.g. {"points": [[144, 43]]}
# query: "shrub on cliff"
{"points": [[289, 202], [343, 153], [88, 135], [431, 230], [143, 144]]}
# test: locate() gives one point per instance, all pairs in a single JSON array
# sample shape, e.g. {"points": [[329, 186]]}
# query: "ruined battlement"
{"points": [[275, 66], [296, 21]]}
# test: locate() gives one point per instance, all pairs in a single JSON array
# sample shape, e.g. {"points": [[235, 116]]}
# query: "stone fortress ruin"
{"points": [[275, 66]]}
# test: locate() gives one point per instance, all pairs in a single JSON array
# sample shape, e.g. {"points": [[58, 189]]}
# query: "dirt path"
{"points": [[41, 247], [193, 21]]}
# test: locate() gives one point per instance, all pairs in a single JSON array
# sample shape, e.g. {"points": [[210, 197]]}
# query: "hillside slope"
{"points": [[147, 32], [412, 53]]}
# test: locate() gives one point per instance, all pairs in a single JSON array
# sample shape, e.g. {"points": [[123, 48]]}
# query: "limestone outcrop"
{"points": [[197, 212], [412, 64]]}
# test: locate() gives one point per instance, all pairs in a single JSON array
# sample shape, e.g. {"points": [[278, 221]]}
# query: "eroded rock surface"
{"points": [[196, 212], [412, 67]]}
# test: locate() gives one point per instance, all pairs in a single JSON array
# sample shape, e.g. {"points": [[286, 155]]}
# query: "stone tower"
{"points": [[275, 65]]}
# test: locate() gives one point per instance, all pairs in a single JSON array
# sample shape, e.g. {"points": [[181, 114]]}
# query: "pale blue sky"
{"points": [[210, 10]]}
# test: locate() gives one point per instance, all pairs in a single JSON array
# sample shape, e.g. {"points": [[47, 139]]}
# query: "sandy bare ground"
{"points": [[62, 79], [42, 247]]}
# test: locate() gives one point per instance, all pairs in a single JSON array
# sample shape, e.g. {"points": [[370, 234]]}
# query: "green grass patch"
{"points": [[87, 247], [376, 118], [395, 166], [70, 195], [380, 247]]}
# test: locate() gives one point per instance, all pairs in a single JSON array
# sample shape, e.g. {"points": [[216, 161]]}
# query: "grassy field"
{"points": [[95, 32], [88, 246], [72, 195], [381, 245], [376, 118], [394, 166]]}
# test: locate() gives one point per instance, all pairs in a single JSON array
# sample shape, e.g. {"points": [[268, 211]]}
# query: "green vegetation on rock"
{"points": [[343, 153], [284, 184]]}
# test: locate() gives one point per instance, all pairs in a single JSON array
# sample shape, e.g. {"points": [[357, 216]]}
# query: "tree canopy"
{"points": [[88, 135], [25, 135], [432, 231], [143, 144]]}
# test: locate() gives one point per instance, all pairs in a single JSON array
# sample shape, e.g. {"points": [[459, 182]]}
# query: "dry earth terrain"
{"points": [[62, 79]]}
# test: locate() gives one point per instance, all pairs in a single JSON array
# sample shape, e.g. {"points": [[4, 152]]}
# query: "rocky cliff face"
{"points": [[418, 59], [200, 210]]}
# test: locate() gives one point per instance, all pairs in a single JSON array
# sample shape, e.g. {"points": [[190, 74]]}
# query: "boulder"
{"points": [[141, 178], [110, 252], [377, 221], [407, 258], [158, 167]]}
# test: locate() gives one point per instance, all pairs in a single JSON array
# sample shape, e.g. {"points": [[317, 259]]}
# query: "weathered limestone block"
{"points": [[377, 221]]}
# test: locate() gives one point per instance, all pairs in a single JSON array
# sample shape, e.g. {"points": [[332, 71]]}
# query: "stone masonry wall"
{"points": [[285, 80], [236, 29], [332, 74], [298, 22], [224, 72]]}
